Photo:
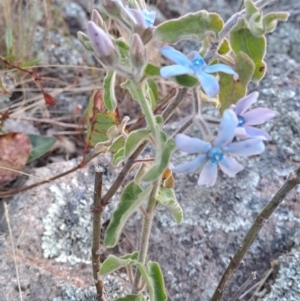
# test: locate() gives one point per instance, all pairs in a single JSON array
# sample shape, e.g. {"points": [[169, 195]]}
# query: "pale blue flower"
{"points": [[195, 65], [218, 152], [247, 118]]}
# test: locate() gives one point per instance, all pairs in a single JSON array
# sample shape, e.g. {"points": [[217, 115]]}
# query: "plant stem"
{"points": [[143, 249], [260, 221], [97, 210]]}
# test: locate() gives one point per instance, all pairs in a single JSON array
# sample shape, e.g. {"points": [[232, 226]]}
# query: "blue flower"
{"points": [[196, 66], [247, 118], [218, 152]]}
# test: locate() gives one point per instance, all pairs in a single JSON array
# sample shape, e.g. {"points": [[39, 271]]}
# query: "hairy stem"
{"points": [[143, 249], [260, 221], [97, 210]]}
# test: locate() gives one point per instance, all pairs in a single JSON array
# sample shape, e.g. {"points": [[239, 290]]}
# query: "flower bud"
{"points": [[97, 19], [102, 45], [84, 39], [138, 54]]}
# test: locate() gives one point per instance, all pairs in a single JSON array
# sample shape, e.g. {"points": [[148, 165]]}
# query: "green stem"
{"points": [[143, 249], [260, 221]]}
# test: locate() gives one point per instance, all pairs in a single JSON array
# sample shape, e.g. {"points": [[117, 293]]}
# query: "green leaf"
{"points": [[166, 197], [133, 195], [243, 40], [30, 63], [230, 90], [123, 51], [131, 298], [163, 155], [113, 263], [157, 279], [98, 120], [40, 145], [151, 70], [8, 38], [186, 80], [224, 48], [118, 157], [135, 138], [109, 98], [117, 145], [152, 276], [191, 26], [153, 92], [270, 20]]}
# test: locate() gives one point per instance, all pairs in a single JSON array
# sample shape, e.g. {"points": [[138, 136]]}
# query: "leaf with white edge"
{"points": [[124, 50], [109, 97], [191, 26], [152, 70], [255, 47], [118, 157], [133, 195], [230, 90], [131, 298], [117, 145], [135, 138], [128, 85], [113, 263], [152, 92], [270, 20], [224, 48], [162, 159], [153, 278], [159, 119], [40, 145], [166, 197]]}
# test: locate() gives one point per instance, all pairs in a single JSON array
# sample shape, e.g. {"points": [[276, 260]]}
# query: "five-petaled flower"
{"points": [[256, 116], [218, 152], [194, 64]]}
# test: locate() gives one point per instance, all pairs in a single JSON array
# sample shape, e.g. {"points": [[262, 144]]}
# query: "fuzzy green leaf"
{"points": [[118, 157], [270, 20], [153, 92], [117, 145], [151, 70], [225, 47], [8, 38], [135, 138], [132, 196], [230, 90], [40, 145], [153, 278], [163, 155], [131, 298], [109, 97], [243, 40], [191, 26], [186, 80], [166, 197], [113, 263]]}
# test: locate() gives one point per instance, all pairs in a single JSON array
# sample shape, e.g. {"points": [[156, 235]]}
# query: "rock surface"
{"points": [[51, 224]]}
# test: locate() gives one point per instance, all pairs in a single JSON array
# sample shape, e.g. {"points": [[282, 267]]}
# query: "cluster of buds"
{"points": [[138, 21]]}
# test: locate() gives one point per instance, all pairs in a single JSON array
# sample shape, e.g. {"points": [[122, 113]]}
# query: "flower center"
{"points": [[197, 64], [241, 120], [215, 155]]}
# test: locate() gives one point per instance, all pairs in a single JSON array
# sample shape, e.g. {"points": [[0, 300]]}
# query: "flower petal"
{"points": [[240, 132], [174, 70], [230, 166], [189, 166], [221, 68], [191, 145], [258, 116], [175, 56], [245, 148], [208, 175], [227, 128], [149, 17], [209, 84], [245, 103], [253, 132]]}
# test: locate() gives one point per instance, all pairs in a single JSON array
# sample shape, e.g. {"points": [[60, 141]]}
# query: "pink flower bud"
{"points": [[138, 54], [102, 44]]}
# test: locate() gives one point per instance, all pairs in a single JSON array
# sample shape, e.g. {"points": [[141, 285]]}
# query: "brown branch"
{"points": [[260, 221], [97, 210]]}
